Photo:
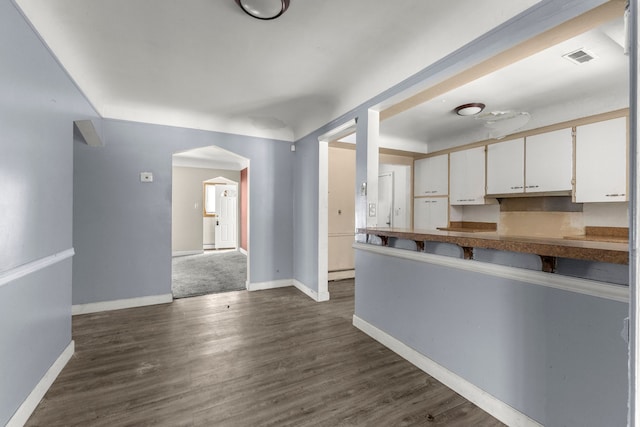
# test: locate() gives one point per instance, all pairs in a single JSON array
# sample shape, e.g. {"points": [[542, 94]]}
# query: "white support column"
{"points": [[373, 159], [323, 220], [367, 136]]}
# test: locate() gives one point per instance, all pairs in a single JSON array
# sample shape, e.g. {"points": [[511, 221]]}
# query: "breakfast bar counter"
{"points": [[547, 248]]}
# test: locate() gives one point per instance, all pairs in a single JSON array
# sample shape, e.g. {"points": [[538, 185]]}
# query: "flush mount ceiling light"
{"points": [[469, 109], [263, 9]]}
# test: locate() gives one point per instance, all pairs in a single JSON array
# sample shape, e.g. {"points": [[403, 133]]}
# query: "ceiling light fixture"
{"points": [[263, 9], [469, 109]]}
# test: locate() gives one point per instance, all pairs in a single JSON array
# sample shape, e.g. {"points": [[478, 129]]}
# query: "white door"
{"points": [[226, 216], [385, 200]]}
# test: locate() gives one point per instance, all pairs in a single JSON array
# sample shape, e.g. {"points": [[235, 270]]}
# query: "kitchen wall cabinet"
{"points": [[549, 161], [431, 176], [467, 177], [601, 162], [505, 167], [541, 164], [430, 213]]}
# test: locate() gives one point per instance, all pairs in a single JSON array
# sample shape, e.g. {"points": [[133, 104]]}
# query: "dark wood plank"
{"points": [[268, 358]]}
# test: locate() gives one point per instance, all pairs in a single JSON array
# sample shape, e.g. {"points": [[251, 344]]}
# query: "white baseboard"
{"points": [[261, 286], [323, 296], [186, 253], [242, 251], [120, 304], [471, 392], [341, 275], [25, 410]]}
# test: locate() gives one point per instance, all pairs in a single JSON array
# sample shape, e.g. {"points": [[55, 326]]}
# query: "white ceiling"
{"points": [[210, 158], [548, 87], [205, 64]]}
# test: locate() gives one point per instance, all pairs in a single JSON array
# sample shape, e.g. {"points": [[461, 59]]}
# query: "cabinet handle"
{"points": [[532, 186], [614, 195], [516, 188], [430, 191]]}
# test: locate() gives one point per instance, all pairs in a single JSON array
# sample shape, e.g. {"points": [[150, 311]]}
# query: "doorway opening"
{"points": [[210, 222]]}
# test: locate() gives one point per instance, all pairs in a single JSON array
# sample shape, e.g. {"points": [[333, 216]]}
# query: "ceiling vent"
{"points": [[579, 56]]}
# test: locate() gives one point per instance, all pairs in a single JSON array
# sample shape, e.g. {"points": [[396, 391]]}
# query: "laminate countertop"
{"points": [[578, 248]]}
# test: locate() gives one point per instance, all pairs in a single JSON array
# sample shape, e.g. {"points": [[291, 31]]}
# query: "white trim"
{"points": [[342, 274], [318, 297], [274, 284], [242, 251], [323, 210], [186, 253], [323, 217], [468, 390], [25, 410], [33, 266], [120, 304], [593, 288], [339, 131]]}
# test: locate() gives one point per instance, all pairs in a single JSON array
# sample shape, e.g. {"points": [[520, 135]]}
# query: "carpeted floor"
{"points": [[208, 273]]}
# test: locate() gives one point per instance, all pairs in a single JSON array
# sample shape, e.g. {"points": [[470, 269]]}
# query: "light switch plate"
{"points": [[372, 209], [146, 177]]}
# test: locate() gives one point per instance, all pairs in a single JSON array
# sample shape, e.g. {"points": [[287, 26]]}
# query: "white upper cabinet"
{"points": [[431, 176], [429, 213], [505, 167], [549, 162], [467, 177], [601, 161]]}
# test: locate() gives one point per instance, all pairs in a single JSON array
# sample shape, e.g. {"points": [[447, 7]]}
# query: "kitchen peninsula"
{"points": [[547, 248]]}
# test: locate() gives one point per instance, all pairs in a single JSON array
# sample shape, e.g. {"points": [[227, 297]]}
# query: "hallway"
{"points": [[243, 359]]}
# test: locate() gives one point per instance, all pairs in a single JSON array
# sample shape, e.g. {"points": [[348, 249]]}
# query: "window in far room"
{"points": [[209, 196]]}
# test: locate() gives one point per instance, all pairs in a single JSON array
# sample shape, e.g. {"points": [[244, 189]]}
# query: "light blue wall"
{"points": [[554, 355], [38, 104], [122, 227]]}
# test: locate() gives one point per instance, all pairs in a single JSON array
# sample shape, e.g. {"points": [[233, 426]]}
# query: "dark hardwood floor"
{"points": [[266, 358]]}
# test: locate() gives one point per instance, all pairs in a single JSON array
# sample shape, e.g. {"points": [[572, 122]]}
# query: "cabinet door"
{"points": [[549, 161], [430, 213], [421, 213], [431, 176], [505, 167], [601, 161], [467, 177], [439, 215]]}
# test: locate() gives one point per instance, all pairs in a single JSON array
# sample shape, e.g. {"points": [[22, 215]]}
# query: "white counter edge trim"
{"points": [[33, 266], [593, 288]]}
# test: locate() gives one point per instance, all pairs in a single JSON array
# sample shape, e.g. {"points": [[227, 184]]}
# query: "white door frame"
{"points": [[323, 203], [239, 225]]}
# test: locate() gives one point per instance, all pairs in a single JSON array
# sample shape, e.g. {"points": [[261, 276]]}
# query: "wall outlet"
{"points": [[146, 177], [372, 209]]}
